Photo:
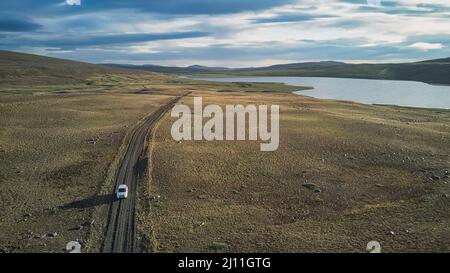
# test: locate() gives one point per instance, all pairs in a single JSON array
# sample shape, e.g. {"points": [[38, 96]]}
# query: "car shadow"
{"points": [[90, 202]]}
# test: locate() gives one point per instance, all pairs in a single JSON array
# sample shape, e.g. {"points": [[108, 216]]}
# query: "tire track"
{"points": [[121, 229]]}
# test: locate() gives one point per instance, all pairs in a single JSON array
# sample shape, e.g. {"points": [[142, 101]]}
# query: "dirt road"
{"points": [[121, 230]]}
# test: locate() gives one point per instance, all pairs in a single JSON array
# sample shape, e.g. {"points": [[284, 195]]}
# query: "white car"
{"points": [[122, 191]]}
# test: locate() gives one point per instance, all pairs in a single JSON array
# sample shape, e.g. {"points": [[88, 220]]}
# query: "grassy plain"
{"points": [[59, 137], [55, 151], [380, 173]]}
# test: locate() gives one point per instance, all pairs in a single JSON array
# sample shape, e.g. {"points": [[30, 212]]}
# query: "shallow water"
{"points": [[404, 93]]}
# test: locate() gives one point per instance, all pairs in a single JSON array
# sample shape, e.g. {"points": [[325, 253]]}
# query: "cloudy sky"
{"points": [[232, 33]]}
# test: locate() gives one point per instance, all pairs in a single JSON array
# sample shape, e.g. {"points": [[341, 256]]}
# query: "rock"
{"points": [[435, 177], [349, 157], [391, 232], [310, 186], [79, 227], [202, 196], [199, 224], [318, 200], [378, 185], [52, 235]]}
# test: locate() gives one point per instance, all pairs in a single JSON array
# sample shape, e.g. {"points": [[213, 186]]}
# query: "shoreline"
{"points": [[309, 88]]}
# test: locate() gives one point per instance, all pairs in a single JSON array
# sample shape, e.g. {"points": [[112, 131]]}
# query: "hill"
{"points": [[171, 69], [433, 72], [22, 69], [430, 71]]}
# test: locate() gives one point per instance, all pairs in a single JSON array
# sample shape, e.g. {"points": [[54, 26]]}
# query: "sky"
{"points": [[231, 33]]}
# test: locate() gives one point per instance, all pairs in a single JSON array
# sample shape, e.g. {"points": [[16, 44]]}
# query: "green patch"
{"points": [[217, 246]]}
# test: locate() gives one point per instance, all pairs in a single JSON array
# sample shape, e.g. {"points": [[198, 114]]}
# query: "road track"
{"points": [[120, 235]]}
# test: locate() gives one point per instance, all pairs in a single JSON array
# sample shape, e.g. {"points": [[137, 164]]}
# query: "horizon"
{"points": [[192, 65], [232, 34], [275, 64], [187, 66]]}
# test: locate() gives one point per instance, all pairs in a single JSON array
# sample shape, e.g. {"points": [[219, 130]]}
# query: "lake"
{"points": [[403, 93]]}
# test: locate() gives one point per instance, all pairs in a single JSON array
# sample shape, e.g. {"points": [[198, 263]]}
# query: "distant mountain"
{"points": [[429, 71], [207, 68], [154, 68], [20, 68], [170, 69], [444, 61], [293, 66]]}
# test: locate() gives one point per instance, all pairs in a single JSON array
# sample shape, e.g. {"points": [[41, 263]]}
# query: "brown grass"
{"points": [[60, 141], [373, 165], [59, 145], [55, 151]]}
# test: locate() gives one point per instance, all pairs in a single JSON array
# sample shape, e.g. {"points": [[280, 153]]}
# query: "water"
{"points": [[403, 93]]}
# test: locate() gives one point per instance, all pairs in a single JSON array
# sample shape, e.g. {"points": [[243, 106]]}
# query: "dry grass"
{"points": [[55, 151], [373, 164], [62, 124]]}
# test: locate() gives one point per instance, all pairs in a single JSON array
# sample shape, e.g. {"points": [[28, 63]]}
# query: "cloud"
{"points": [[240, 32], [189, 6], [9, 24], [374, 2], [426, 46], [406, 8], [248, 55], [167, 7], [73, 42], [286, 18], [73, 2]]}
